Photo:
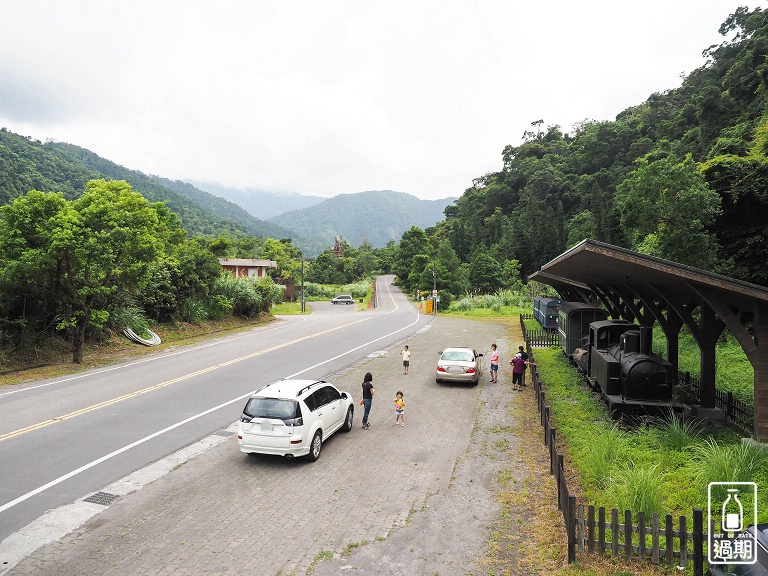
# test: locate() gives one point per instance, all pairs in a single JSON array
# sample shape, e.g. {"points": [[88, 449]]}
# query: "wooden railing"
{"points": [[735, 410]]}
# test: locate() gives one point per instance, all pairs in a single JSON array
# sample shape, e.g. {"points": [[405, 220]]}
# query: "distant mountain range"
{"points": [[377, 216], [311, 222], [261, 203]]}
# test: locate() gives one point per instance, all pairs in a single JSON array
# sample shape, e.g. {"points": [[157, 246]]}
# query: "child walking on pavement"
{"points": [[399, 409], [406, 354]]}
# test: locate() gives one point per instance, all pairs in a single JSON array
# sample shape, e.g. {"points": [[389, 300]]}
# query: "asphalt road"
{"points": [[64, 438], [418, 499]]}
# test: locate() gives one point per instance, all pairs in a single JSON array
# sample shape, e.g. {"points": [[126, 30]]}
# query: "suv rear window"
{"points": [[272, 408]]}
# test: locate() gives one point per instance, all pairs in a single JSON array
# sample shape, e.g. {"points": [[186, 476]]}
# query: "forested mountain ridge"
{"points": [[226, 209], [27, 165], [378, 216], [682, 176]]}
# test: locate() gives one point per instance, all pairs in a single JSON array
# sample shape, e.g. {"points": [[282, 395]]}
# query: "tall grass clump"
{"points": [[314, 290], [193, 310], [357, 290], [505, 302], [742, 462], [604, 451], [678, 432], [129, 315], [638, 488], [240, 293], [464, 305]]}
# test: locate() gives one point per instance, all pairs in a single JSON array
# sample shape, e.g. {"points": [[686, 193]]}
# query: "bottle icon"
{"points": [[733, 512]]}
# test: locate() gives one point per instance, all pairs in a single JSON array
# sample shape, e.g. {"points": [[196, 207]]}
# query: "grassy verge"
{"points": [[654, 466], [528, 536], [53, 357]]}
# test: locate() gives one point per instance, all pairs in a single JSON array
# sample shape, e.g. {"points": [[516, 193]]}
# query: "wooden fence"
{"points": [[538, 338], [735, 410], [603, 534]]}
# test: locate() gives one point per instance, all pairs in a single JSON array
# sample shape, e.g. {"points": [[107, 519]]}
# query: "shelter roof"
{"points": [[596, 264]]}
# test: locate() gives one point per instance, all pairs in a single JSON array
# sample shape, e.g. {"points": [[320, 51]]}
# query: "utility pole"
{"points": [[303, 301], [434, 285]]}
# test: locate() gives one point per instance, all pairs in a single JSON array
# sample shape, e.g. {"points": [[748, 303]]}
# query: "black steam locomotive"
{"points": [[619, 362]]}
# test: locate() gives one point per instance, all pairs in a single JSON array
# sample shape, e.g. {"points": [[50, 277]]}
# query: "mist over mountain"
{"points": [[262, 204]]}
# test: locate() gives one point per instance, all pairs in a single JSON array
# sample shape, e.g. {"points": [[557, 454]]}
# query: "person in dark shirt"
{"points": [[368, 392]]}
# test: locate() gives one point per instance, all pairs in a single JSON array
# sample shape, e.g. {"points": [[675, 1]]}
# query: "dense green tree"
{"points": [[743, 186], [287, 256], [485, 274], [90, 252], [665, 207], [413, 243]]}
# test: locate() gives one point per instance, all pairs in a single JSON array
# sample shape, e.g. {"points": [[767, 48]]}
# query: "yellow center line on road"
{"points": [[88, 409]]}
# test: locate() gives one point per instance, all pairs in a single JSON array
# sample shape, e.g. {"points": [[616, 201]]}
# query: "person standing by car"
{"points": [[494, 364], [406, 354], [368, 392]]}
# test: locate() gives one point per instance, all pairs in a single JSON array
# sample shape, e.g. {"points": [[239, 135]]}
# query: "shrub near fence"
{"points": [[604, 534]]}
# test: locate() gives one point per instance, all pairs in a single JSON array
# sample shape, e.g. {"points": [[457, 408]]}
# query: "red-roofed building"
{"points": [[247, 267]]}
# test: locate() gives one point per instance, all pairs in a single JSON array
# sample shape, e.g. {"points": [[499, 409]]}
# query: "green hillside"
{"points": [[27, 164], [377, 216], [681, 176]]}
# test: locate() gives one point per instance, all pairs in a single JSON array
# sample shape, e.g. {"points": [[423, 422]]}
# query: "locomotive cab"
{"points": [[603, 369]]}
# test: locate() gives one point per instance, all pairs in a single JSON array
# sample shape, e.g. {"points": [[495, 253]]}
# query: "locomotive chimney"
{"points": [[645, 340]]}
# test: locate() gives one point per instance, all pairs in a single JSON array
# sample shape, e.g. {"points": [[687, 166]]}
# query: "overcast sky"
{"points": [[331, 97]]}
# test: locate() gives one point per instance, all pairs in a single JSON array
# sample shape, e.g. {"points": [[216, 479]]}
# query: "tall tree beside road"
{"points": [[82, 254], [104, 244], [413, 243]]}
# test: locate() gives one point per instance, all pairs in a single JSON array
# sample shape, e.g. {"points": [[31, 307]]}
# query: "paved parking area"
{"points": [[417, 499]]}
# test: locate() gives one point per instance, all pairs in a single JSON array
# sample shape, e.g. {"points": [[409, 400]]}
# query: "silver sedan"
{"points": [[458, 365]]}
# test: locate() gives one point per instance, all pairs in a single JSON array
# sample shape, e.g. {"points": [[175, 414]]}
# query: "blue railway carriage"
{"points": [[545, 311], [573, 320]]}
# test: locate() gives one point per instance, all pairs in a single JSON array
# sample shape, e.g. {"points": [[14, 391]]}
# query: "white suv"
{"points": [[293, 417]]}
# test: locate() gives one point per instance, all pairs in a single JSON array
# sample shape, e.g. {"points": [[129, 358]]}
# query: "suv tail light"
{"points": [[294, 421]]}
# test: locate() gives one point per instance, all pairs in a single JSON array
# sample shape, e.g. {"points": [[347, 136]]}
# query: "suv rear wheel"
{"points": [[316, 447]]}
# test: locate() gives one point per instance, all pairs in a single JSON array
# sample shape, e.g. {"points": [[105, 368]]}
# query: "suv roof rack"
{"points": [[315, 383]]}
